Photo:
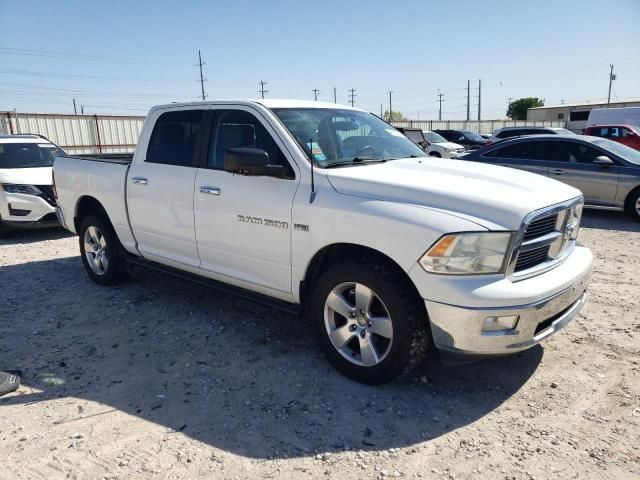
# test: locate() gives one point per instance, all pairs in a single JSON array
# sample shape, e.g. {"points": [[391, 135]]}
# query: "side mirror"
{"points": [[251, 161], [603, 161]]}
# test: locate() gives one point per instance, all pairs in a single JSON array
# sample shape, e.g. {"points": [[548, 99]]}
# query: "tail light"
{"points": [[53, 186]]}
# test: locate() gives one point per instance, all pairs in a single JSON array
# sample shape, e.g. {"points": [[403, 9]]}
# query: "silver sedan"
{"points": [[607, 173]]}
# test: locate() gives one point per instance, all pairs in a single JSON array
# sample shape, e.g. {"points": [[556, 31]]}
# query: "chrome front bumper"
{"points": [[459, 330]]}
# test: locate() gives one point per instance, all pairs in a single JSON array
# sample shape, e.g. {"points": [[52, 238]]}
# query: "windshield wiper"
{"points": [[356, 161]]}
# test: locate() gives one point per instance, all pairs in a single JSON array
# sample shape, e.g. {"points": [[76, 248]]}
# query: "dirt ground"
{"points": [[160, 378]]}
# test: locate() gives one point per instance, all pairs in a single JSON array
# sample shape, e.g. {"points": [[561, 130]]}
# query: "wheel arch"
{"points": [[88, 205], [628, 199], [335, 252]]}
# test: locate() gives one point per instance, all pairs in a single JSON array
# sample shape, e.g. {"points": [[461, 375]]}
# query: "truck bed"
{"points": [[121, 158]]}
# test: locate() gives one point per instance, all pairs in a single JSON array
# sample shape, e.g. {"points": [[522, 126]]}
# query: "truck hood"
{"points": [[494, 197], [26, 176]]}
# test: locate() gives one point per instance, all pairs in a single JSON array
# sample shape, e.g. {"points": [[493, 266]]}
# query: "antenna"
{"points": [[312, 197]]}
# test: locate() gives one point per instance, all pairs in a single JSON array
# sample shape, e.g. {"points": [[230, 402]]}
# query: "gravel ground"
{"points": [[160, 378]]}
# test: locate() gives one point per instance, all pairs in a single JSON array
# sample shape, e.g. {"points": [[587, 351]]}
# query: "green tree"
{"points": [[518, 108], [394, 117]]}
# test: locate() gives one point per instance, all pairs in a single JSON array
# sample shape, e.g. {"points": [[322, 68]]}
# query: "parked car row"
{"points": [[607, 173], [26, 194]]}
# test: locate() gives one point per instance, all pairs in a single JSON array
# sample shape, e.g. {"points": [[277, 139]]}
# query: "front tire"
{"points": [[369, 321], [632, 205], [435, 154], [101, 252]]}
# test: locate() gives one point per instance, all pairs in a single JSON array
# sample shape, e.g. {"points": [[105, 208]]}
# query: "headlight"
{"points": [[25, 189], [468, 254]]}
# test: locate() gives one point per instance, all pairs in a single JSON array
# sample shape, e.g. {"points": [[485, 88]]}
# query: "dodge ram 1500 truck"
{"points": [[329, 210]]}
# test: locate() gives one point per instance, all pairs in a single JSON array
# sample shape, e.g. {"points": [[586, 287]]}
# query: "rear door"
{"points": [[160, 189], [571, 162], [524, 155], [243, 223]]}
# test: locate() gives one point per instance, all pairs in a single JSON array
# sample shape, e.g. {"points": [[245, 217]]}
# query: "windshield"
{"points": [[473, 136], [628, 153], [333, 136], [28, 155], [434, 137]]}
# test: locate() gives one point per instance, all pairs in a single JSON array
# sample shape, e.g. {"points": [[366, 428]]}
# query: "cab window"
{"points": [[174, 137], [240, 129]]}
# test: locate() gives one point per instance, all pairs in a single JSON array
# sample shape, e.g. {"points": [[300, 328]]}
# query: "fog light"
{"points": [[500, 324]]}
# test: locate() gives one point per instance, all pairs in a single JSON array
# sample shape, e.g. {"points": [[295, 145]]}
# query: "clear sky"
{"points": [[124, 56]]}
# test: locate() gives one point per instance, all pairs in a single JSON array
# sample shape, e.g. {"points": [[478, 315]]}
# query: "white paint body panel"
{"points": [[399, 208]]}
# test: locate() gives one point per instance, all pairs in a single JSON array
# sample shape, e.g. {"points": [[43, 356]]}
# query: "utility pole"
{"points": [[75, 110], [81, 109], [479, 97], [468, 100], [390, 110], [440, 95], [315, 94], [201, 77], [381, 114], [262, 90], [352, 96], [335, 95], [612, 77]]}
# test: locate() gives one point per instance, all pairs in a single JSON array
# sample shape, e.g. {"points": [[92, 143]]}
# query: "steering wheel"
{"points": [[366, 151]]}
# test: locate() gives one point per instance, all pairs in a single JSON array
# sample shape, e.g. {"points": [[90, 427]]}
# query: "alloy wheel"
{"points": [[358, 324], [95, 250]]}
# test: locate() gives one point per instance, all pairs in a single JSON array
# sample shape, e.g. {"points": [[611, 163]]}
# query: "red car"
{"points": [[628, 135]]}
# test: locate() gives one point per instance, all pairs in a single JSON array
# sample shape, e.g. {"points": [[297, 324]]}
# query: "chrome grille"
{"points": [[541, 227], [531, 258], [545, 239]]}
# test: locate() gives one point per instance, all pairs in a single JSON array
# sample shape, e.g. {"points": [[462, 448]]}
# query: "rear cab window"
{"points": [[174, 138]]}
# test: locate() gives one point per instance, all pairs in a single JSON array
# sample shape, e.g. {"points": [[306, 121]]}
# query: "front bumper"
{"points": [[459, 329], [25, 211]]}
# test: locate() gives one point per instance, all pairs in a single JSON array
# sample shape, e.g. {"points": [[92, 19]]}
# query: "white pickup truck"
{"points": [[329, 210]]}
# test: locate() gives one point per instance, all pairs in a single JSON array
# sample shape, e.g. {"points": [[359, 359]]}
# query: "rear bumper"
{"points": [[460, 330]]}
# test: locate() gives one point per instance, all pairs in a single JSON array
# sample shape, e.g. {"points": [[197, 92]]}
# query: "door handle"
{"points": [[210, 190], [139, 180], [556, 171]]}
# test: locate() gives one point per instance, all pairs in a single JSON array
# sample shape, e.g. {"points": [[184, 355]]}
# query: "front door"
{"points": [[160, 190], [572, 163], [243, 223]]}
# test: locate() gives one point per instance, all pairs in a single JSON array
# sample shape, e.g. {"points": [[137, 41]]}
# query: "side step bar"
{"points": [[222, 287]]}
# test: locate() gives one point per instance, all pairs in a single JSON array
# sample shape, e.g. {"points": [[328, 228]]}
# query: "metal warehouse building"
{"points": [[574, 114]]}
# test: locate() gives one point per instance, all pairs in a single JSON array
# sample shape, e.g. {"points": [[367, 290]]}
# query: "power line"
{"points": [[612, 77], [468, 100], [93, 78], [81, 56], [262, 90], [352, 96], [315, 94], [479, 97], [200, 64]]}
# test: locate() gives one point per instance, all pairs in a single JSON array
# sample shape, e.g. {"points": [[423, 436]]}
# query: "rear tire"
{"points": [[369, 321], [101, 252], [632, 205], [435, 154]]}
